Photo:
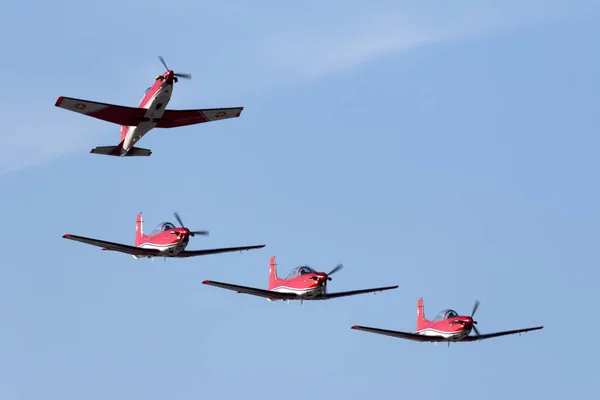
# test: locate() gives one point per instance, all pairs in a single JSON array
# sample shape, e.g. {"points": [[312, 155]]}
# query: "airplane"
{"points": [[164, 241], [302, 283], [151, 113], [448, 326]]}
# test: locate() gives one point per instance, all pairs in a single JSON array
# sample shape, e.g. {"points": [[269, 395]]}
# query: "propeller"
{"points": [[192, 233], [334, 270], [475, 307], [184, 76]]}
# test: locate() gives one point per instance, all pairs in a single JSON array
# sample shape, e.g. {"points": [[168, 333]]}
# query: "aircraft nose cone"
{"points": [[466, 322], [182, 232], [319, 279]]}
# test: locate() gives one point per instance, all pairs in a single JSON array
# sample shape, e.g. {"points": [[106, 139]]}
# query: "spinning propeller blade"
{"points": [[192, 233], [162, 60], [334, 270], [184, 76], [178, 219], [475, 307]]}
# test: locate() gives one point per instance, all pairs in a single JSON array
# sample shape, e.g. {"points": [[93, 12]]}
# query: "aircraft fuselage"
{"points": [[156, 106]]}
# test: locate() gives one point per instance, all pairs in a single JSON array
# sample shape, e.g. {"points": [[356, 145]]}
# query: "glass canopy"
{"points": [[445, 314], [163, 226], [298, 271]]}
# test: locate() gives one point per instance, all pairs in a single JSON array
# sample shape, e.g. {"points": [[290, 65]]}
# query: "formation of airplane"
{"points": [[165, 240], [447, 326], [151, 113], [302, 283]]}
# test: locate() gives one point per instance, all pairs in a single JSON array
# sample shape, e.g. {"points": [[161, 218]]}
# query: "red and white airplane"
{"points": [[151, 113], [165, 241], [303, 283], [448, 326]]}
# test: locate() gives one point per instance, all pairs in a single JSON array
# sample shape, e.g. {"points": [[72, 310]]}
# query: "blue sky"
{"points": [[450, 149]]}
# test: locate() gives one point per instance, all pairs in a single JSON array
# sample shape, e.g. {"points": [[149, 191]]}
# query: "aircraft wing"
{"points": [[269, 294], [327, 296], [402, 335], [496, 334], [123, 248], [194, 253], [175, 118], [121, 115]]}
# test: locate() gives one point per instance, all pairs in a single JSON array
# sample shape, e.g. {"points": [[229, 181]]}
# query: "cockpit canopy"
{"points": [[298, 271], [145, 93], [163, 226], [445, 314]]}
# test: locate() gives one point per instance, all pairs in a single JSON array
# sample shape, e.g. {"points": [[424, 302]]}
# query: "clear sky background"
{"points": [[450, 148]]}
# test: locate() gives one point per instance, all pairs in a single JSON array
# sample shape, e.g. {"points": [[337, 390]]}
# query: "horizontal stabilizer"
{"points": [[138, 151], [116, 151], [107, 150]]}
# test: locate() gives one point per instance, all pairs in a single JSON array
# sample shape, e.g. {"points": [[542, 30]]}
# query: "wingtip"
{"points": [[354, 327], [206, 281], [58, 101], [66, 235]]}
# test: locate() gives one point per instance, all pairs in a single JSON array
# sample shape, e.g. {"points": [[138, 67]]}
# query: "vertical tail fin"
{"points": [[124, 130], [272, 273], [421, 320], [139, 230]]}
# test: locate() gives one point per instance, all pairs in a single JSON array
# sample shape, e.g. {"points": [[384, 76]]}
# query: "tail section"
{"points": [[138, 152], [273, 274], [107, 150], [117, 151], [124, 130], [421, 320], [139, 230]]}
